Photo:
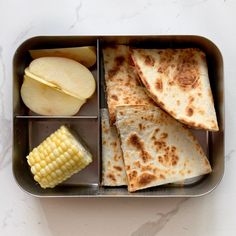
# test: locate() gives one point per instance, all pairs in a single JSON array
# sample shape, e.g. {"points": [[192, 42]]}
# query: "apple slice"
{"points": [[63, 74], [84, 55], [45, 100]]}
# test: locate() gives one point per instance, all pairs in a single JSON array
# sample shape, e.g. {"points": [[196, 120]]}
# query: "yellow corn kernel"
{"points": [[57, 158], [37, 166], [43, 163], [70, 151], [52, 157], [56, 152], [48, 159]]}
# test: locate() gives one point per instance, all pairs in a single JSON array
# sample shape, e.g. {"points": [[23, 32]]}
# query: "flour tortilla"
{"points": [[177, 80], [157, 149], [113, 171], [122, 81]]}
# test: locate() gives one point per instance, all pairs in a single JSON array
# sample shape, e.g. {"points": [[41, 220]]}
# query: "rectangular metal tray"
{"points": [[30, 129]]}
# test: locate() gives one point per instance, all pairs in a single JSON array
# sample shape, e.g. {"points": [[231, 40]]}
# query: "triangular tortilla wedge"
{"points": [[177, 80], [113, 169], [157, 149], [122, 81]]}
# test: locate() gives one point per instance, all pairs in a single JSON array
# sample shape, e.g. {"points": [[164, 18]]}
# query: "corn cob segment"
{"points": [[57, 158]]}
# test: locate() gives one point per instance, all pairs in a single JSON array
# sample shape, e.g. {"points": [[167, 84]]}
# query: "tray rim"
{"points": [[99, 37]]}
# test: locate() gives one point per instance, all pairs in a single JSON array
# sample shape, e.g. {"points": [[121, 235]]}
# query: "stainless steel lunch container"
{"points": [[30, 129]]}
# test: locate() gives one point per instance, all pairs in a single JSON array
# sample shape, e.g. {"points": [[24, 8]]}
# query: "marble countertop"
{"points": [[21, 214]]}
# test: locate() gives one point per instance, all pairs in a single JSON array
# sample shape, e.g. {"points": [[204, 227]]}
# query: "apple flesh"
{"points": [[63, 74], [45, 100]]}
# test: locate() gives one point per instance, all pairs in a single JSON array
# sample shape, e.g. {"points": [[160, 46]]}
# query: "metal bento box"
{"points": [[30, 129]]}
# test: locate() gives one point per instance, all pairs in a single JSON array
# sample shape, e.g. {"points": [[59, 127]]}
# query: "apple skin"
{"points": [[84, 55]]}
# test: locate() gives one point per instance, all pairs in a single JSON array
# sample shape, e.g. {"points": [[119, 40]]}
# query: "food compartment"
{"points": [[22, 59], [212, 143], [29, 133]]}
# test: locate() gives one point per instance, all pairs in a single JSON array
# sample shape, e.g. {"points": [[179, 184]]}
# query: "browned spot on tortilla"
{"points": [[141, 127], [111, 176], [145, 179], [186, 79], [170, 157], [166, 61], [159, 144], [189, 111], [145, 156], [119, 61], [114, 144], [199, 94], [117, 157], [104, 142], [166, 158], [133, 174], [187, 71], [189, 171], [137, 164], [178, 102], [163, 135], [154, 134], [160, 69], [171, 82], [117, 168], [159, 85], [113, 72], [162, 176], [128, 167], [191, 99], [147, 168], [114, 97], [149, 60], [135, 141]]}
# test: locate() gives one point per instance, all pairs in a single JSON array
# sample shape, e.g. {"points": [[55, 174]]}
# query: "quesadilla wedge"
{"points": [[177, 80], [113, 170], [157, 149], [122, 81]]}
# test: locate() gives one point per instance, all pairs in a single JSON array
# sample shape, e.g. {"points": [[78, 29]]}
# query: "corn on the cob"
{"points": [[57, 158]]}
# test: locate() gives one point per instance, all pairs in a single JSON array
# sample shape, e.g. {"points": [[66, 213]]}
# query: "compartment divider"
{"points": [[99, 116], [56, 117]]}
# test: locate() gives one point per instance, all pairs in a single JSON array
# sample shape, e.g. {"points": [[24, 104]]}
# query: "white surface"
{"points": [[214, 214]]}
